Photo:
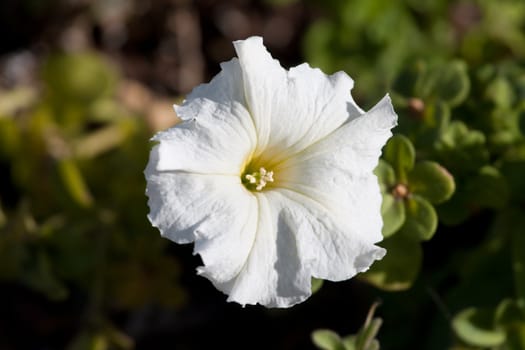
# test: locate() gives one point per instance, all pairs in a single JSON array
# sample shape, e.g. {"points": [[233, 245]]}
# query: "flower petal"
{"points": [[216, 212], [217, 133], [291, 109], [296, 239], [337, 171], [274, 274], [330, 250]]}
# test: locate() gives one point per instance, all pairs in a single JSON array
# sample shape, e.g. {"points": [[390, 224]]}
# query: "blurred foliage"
{"points": [[73, 205], [456, 75], [326, 339], [73, 149]]}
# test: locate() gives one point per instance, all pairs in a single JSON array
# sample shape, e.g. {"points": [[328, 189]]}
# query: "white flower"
{"points": [[270, 174]]}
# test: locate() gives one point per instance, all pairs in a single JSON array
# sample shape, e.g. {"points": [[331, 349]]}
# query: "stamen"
{"points": [[260, 178]]}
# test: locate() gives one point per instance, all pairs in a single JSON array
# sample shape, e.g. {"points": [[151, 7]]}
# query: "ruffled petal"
{"points": [[217, 134], [291, 109], [216, 212], [297, 239], [274, 274], [328, 249], [337, 171]]}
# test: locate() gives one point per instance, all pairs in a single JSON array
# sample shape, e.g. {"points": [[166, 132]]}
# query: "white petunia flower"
{"points": [[270, 174]]}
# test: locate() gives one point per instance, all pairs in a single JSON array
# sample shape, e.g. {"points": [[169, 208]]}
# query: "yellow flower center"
{"points": [[257, 179]]}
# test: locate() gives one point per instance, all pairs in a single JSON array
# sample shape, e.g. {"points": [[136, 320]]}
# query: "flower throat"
{"points": [[257, 180]]}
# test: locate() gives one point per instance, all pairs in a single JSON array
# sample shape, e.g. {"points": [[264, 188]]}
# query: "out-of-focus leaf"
{"points": [[393, 213], [452, 83], [460, 149], [475, 326], [365, 339], [488, 189], [400, 266], [431, 181], [349, 342], [74, 182], [102, 140], [105, 337], [500, 92], [400, 154], [81, 77], [516, 336], [317, 283], [89, 341], [509, 312], [436, 117], [14, 100], [406, 82], [421, 218], [386, 175], [9, 137], [41, 277], [326, 339]]}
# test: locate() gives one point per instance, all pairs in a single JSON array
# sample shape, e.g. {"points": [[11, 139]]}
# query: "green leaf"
{"points": [[74, 182], [374, 345], [386, 175], [509, 312], [400, 266], [79, 78], [500, 92], [421, 218], [488, 189], [41, 277], [365, 338], [452, 83], [475, 326], [460, 149], [406, 81], [317, 283], [349, 342], [516, 336], [400, 154], [393, 213], [431, 181], [326, 339], [437, 116]]}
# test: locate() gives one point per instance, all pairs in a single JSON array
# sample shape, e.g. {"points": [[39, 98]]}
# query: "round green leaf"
{"points": [[475, 326], [385, 174], [401, 155], [461, 149], [82, 77], [452, 84], [421, 218], [431, 181], [400, 266], [326, 339], [393, 212]]}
